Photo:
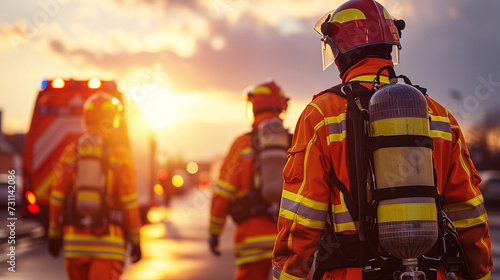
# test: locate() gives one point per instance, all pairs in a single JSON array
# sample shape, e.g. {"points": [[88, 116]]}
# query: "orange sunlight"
{"points": [[160, 106]]}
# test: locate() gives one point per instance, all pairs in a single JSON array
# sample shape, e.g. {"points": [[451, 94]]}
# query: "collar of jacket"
{"points": [[366, 70], [264, 116]]}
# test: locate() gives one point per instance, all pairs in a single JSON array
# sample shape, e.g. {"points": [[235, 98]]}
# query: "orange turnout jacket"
{"points": [[319, 143], [254, 238], [121, 183]]}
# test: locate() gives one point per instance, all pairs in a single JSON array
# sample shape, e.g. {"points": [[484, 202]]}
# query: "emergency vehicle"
{"points": [[57, 121]]}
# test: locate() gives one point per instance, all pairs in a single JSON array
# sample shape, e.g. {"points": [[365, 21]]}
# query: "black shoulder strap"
{"points": [[355, 87]]}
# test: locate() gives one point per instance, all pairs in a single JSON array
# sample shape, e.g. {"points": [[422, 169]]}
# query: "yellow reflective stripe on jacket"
{"points": [[337, 128], [246, 152], [55, 231], [440, 127], [306, 157], [130, 201], [88, 245], [254, 248], [486, 277], [467, 214], [224, 189], [370, 78], [303, 210], [57, 198], [278, 274], [216, 225], [464, 166]]}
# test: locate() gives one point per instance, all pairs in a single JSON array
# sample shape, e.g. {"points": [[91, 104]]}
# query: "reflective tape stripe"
{"points": [[216, 225], [337, 128], [224, 189], [258, 242], [253, 257], [370, 78], [246, 152], [471, 213], [342, 218], [310, 203], [400, 126], [302, 210], [302, 220], [278, 274], [464, 166], [440, 127], [406, 212], [129, 201], [474, 202], [348, 15], [471, 222], [54, 230], [57, 198]]}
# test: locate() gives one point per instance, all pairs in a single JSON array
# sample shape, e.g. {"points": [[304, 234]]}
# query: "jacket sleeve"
{"points": [[464, 206], [63, 181], [305, 198], [226, 187], [127, 191]]}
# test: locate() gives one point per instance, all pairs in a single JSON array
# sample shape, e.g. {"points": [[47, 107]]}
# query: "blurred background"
{"points": [[181, 68]]}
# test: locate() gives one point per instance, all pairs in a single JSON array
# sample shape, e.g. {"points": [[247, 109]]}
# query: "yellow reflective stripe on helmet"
{"points": [[406, 212], [347, 15], [370, 78], [386, 14], [261, 90], [400, 126]]}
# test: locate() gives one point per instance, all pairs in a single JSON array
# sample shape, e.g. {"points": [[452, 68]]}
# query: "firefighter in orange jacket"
{"points": [[255, 233], [359, 36], [96, 253]]}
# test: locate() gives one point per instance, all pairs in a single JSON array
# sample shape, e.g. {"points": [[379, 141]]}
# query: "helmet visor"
{"points": [[329, 51]]}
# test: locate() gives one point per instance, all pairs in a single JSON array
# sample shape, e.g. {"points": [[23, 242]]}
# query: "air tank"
{"points": [[407, 227], [274, 142]]}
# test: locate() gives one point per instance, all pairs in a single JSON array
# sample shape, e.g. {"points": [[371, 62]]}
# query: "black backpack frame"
{"points": [[362, 250]]}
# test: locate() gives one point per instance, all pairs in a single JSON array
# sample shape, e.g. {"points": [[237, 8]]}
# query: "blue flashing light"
{"points": [[43, 85]]}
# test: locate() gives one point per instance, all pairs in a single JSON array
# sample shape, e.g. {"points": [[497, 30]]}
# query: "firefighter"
{"points": [[236, 191], [361, 38], [95, 252]]}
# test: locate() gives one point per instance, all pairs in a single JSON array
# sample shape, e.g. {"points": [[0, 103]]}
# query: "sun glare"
{"points": [[160, 106]]}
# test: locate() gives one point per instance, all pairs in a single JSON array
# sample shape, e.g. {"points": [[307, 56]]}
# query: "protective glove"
{"points": [[213, 242], [55, 245], [136, 254]]}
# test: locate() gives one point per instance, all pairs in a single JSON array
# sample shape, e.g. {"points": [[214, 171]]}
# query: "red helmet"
{"points": [[267, 97], [101, 110], [356, 24]]}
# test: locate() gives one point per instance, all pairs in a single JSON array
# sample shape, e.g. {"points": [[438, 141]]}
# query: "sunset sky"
{"points": [[185, 63]]}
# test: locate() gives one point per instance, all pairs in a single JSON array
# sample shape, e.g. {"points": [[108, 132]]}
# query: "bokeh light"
{"points": [[192, 167], [177, 181]]}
